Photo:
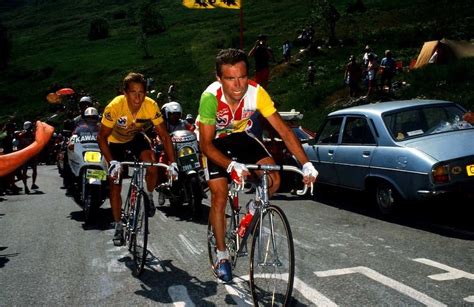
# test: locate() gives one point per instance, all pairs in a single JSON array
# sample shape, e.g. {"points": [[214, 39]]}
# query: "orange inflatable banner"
{"points": [[10, 162]]}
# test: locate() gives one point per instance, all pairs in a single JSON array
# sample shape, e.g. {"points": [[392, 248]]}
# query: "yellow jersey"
{"points": [[124, 125]]}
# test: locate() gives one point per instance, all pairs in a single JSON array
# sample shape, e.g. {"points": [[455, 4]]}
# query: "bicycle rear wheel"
{"points": [[139, 236], [231, 245], [272, 259]]}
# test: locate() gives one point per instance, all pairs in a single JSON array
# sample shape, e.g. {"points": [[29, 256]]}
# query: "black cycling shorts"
{"points": [[242, 147], [121, 151]]}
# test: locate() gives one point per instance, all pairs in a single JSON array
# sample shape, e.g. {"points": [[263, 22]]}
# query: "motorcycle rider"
{"points": [[122, 129], [72, 124], [172, 113]]}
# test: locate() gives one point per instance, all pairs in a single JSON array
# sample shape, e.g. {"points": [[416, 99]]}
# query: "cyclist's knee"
{"points": [[274, 183]]}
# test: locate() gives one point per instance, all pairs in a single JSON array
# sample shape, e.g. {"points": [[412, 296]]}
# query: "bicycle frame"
{"points": [[262, 198]]}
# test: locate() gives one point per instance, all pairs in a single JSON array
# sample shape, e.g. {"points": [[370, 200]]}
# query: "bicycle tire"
{"points": [[271, 280], [232, 220], [139, 235]]}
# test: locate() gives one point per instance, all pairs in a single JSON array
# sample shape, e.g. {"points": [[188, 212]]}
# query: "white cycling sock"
{"points": [[222, 255]]}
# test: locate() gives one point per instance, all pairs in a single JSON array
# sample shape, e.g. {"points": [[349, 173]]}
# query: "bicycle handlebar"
{"points": [[145, 164], [274, 167]]}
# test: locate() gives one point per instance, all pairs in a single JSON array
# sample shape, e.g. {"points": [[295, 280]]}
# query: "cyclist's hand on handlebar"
{"points": [[114, 169], [238, 172], [173, 171]]}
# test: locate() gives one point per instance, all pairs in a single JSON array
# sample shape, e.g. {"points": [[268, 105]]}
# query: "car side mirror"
{"points": [[312, 142]]}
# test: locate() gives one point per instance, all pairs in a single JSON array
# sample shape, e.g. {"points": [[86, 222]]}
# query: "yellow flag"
{"points": [[211, 4], [199, 4], [228, 4]]}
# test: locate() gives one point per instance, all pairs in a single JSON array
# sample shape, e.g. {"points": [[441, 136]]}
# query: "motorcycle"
{"points": [[87, 170], [191, 184]]}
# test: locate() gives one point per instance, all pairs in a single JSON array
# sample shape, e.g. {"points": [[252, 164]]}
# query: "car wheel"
{"points": [[386, 197]]}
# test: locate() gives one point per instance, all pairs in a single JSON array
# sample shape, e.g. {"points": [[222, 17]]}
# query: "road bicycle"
{"points": [[135, 215], [272, 259]]}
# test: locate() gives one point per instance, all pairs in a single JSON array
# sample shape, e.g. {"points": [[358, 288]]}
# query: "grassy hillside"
{"points": [[50, 49]]}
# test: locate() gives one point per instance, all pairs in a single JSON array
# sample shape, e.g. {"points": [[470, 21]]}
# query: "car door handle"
{"points": [[366, 153], [330, 152]]}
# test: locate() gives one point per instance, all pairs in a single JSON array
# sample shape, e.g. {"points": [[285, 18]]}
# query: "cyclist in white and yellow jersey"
{"points": [[223, 123]]}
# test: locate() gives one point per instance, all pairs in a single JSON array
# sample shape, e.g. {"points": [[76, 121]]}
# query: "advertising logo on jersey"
{"points": [[224, 117], [122, 122]]}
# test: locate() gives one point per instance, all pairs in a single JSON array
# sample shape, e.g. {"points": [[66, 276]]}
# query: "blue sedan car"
{"points": [[400, 150]]}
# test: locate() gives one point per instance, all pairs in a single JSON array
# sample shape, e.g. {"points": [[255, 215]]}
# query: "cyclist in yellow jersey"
{"points": [[224, 121], [122, 130]]}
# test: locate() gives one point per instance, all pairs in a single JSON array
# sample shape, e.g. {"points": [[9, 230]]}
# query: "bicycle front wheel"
{"points": [[139, 236], [272, 259]]}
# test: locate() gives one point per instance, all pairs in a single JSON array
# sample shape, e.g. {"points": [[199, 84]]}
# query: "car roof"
{"points": [[382, 107]]}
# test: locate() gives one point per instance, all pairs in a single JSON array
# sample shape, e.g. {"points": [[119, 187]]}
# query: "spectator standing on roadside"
{"points": [[352, 76], [26, 138], [371, 70], [388, 70], [365, 58], [262, 54]]}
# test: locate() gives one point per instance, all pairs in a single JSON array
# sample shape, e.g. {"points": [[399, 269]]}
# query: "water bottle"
{"points": [[245, 222]]}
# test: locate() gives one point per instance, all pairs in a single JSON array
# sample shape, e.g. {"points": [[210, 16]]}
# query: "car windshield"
{"points": [[417, 122]]}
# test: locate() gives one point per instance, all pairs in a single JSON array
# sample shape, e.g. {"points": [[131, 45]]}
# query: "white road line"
{"points": [[391, 283], [452, 273], [242, 296], [469, 299], [189, 245], [179, 296]]}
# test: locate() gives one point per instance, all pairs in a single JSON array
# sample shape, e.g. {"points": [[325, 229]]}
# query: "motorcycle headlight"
{"points": [[92, 156], [185, 151]]}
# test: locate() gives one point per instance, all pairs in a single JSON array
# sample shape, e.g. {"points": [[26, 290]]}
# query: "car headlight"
{"points": [[441, 173], [185, 151]]}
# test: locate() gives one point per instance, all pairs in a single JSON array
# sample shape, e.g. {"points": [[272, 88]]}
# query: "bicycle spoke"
{"points": [[272, 260]]}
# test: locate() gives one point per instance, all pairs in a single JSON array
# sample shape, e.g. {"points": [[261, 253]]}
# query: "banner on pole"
{"points": [[211, 4]]}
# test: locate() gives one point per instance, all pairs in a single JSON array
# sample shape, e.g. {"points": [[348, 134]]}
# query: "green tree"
{"points": [[150, 19], [5, 50], [324, 12]]}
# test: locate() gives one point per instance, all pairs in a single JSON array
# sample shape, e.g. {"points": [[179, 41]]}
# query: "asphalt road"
{"points": [[345, 255]]}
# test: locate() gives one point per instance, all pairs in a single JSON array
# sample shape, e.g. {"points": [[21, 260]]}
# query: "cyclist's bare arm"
{"points": [[166, 141], [102, 137]]}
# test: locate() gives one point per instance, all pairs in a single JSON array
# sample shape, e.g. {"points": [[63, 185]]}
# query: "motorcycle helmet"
{"points": [[85, 102], [27, 125], [91, 113], [172, 107]]}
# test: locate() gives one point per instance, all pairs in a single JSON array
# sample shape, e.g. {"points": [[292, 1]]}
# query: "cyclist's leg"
{"points": [[219, 191], [151, 172], [274, 180]]}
